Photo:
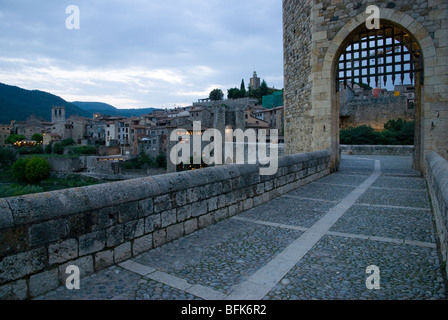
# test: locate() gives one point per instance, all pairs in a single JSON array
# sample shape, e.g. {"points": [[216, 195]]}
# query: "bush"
{"points": [[37, 169], [67, 142], [31, 170], [359, 136], [18, 169], [87, 150], [396, 132], [161, 161], [7, 157], [15, 190], [48, 149], [37, 149], [37, 137], [58, 148]]}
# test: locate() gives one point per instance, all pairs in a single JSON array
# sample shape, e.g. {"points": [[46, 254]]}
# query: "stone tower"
{"points": [[255, 81], [317, 33], [57, 114]]}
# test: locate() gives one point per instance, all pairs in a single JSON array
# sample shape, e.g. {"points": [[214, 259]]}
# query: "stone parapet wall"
{"points": [[437, 179], [97, 226], [382, 150]]}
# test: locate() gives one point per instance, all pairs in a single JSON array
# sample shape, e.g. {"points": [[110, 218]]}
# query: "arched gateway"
{"points": [[329, 42]]}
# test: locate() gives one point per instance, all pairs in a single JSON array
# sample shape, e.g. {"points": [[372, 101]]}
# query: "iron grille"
{"points": [[376, 55]]}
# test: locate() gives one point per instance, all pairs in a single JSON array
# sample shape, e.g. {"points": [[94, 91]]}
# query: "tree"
{"points": [[234, 93], [14, 138], [67, 142], [48, 149], [243, 89], [37, 137], [7, 156], [161, 161], [18, 169], [216, 95], [58, 148], [264, 89], [37, 169]]}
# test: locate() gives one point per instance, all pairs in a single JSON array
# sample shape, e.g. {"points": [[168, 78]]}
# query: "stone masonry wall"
{"points": [[297, 70], [316, 32], [377, 150], [97, 226], [437, 179]]}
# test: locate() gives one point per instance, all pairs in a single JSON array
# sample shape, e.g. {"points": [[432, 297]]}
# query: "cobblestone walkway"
{"points": [[313, 243]]}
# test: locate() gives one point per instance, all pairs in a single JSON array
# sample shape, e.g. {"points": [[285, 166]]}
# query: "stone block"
{"points": [[13, 240], [6, 219], [19, 265], [104, 259], [248, 204], [181, 198], [162, 203], [146, 207], [205, 220], [134, 229], [190, 226], [48, 231], [168, 218], [44, 282], [62, 251], [183, 213], [127, 211], [153, 222], [106, 217], [92, 242], [212, 203], [17, 290], [174, 232], [192, 195], [159, 237], [82, 223], [142, 244], [114, 235], [220, 215], [199, 208], [122, 252]]}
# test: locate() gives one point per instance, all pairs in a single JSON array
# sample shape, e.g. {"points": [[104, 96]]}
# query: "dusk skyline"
{"points": [[140, 53]]}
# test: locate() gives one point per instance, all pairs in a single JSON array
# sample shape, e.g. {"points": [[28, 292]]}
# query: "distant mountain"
{"points": [[18, 104], [107, 109]]}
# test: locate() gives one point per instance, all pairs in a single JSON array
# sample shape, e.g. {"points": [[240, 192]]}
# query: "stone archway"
{"points": [[324, 82]]}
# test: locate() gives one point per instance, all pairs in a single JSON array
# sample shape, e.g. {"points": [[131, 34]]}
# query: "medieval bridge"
{"points": [[314, 230]]}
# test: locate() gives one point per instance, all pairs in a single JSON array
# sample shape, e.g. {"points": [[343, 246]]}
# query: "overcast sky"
{"points": [[137, 53]]}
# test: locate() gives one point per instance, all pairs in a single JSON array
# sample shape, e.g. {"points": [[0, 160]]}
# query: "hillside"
{"points": [[18, 104], [107, 109]]}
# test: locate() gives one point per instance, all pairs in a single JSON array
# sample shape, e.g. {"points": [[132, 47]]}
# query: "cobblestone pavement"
{"points": [[313, 243]]}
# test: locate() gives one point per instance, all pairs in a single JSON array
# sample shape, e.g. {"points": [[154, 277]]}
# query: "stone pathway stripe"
{"points": [[307, 198], [342, 234], [172, 281], [391, 207], [260, 283]]}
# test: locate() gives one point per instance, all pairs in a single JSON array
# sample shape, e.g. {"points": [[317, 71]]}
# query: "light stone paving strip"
{"points": [[343, 234], [260, 283], [391, 207], [308, 198], [172, 281]]}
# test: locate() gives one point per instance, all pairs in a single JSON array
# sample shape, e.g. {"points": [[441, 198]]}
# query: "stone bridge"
{"points": [[227, 233]]}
